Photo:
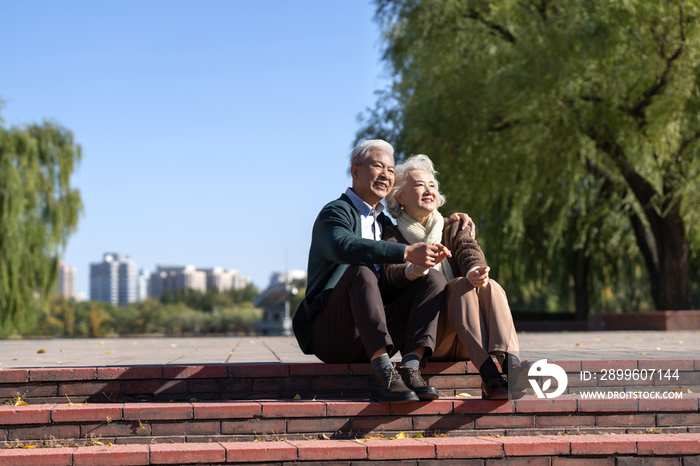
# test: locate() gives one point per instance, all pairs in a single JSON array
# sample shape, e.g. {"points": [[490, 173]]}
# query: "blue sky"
{"points": [[212, 131]]}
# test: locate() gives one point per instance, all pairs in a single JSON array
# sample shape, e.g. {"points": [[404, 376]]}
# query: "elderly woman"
{"points": [[475, 322]]}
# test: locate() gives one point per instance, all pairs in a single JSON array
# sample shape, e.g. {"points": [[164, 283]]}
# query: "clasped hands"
{"points": [[428, 255]]}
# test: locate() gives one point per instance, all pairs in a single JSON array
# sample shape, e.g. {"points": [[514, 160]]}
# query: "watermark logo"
{"points": [[542, 368]]}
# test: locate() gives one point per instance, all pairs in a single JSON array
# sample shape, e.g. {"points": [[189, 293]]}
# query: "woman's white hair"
{"points": [[414, 162], [359, 153]]}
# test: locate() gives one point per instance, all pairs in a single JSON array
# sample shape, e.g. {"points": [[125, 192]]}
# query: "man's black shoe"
{"points": [[387, 387], [415, 381]]}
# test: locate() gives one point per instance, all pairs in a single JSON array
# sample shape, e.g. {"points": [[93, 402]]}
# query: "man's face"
{"points": [[374, 177]]}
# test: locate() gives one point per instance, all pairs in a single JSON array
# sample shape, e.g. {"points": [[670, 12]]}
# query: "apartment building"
{"points": [[66, 281], [173, 278], [114, 280], [224, 280]]}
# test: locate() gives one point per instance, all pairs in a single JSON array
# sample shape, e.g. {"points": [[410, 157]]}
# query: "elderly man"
{"points": [[350, 314]]}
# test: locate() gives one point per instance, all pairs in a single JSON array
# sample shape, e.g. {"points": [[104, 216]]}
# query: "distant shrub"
{"points": [[67, 318]]}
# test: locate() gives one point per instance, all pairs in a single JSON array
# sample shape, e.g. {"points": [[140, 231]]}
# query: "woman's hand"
{"points": [[466, 222], [479, 277]]}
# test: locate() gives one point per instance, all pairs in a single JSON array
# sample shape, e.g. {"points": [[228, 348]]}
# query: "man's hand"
{"points": [[466, 222], [479, 277], [426, 255]]}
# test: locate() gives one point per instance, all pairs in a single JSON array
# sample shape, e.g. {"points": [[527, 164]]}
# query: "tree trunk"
{"points": [[674, 290], [665, 251]]}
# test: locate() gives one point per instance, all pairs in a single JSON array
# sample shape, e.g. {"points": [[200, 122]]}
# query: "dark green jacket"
{"points": [[336, 242]]}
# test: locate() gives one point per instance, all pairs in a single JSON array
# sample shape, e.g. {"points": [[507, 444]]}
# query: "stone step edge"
{"points": [[180, 411], [434, 448], [271, 370]]}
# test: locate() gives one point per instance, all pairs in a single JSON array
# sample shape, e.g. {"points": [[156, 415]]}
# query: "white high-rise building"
{"points": [[66, 281], [173, 278], [240, 281], [142, 283], [224, 280], [114, 280]]}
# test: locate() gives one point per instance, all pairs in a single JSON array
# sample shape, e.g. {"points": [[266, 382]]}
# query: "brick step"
{"points": [[584, 450], [123, 423], [285, 381]]}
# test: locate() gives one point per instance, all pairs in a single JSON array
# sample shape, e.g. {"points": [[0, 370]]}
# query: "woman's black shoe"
{"points": [[388, 387], [518, 382], [494, 389]]}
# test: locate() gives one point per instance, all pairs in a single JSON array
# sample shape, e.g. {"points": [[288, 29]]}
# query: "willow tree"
{"points": [[575, 123], [38, 211]]}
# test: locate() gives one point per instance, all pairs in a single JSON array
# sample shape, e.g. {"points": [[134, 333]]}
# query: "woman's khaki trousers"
{"points": [[474, 323]]}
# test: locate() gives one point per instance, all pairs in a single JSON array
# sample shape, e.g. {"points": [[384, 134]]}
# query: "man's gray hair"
{"points": [[414, 162], [359, 153]]}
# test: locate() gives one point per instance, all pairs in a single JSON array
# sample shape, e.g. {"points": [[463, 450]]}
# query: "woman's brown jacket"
{"points": [[466, 253]]}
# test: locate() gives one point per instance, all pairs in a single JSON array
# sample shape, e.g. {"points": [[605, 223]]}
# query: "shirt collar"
{"points": [[362, 207]]}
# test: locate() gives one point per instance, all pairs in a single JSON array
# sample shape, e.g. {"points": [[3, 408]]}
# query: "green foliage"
{"points": [[568, 130], [67, 318], [212, 299], [38, 212]]}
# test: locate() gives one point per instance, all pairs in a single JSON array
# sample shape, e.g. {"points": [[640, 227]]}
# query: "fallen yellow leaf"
{"points": [[174, 345], [417, 436], [297, 397], [21, 403], [29, 446], [690, 391], [400, 435], [324, 437], [579, 344], [463, 395], [15, 359], [41, 351], [108, 352], [59, 362]]}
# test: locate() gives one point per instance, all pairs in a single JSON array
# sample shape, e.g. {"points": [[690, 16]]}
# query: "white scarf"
{"points": [[431, 233]]}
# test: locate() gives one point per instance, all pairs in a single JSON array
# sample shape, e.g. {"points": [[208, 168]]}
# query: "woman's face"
{"points": [[419, 197]]}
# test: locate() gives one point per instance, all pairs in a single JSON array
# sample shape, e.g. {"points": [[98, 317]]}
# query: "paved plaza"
{"points": [[241, 349]]}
